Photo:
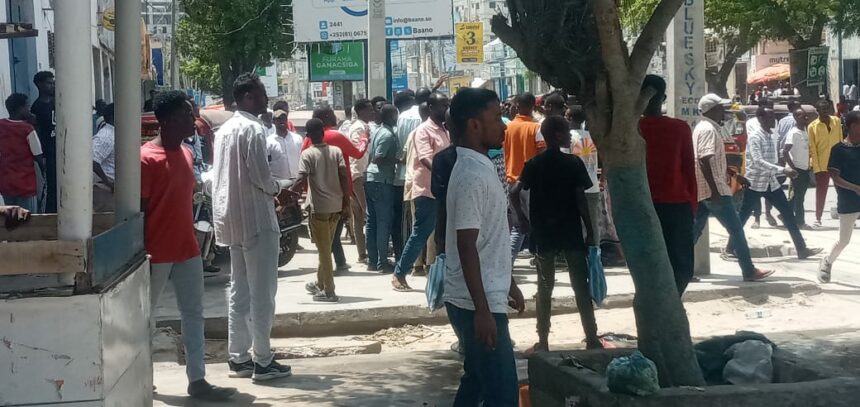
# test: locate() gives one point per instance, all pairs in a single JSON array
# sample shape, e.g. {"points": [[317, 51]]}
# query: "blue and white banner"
{"points": [[344, 20]]}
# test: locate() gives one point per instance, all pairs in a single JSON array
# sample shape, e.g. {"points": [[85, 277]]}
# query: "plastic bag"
{"points": [[751, 363], [596, 277], [436, 284], [634, 374]]}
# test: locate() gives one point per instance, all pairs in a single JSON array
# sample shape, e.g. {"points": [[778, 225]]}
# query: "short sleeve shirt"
{"points": [[708, 140], [476, 200], [429, 139], [553, 179], [321, 163], [167, 184], [799, 141], [583, 147], [845, 158], [383, 145]]}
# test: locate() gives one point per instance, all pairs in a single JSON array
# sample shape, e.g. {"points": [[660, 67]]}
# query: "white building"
{"points": [[26, 56]]}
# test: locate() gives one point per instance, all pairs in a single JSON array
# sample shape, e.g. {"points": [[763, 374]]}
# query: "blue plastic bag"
{"points": [[436, 284], [596, 277], [634, 374]]}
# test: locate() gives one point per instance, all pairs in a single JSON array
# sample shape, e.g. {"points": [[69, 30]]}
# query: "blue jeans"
{"points": [[380, 217], [26, 202], [187, 279], [425, 222], [725, 212], [489, 375]]}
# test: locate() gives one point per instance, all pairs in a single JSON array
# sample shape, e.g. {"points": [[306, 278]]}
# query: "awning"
{"points": [[778, 72]]}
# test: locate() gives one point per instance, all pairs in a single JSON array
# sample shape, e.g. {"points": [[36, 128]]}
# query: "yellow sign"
{"points": [[109, 19], [470, 43], [455, 83]]}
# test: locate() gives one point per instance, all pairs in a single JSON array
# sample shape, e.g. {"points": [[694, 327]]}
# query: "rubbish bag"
{"points": [[596, 277], [751, 363], [634, 374], [436, 283], [712, 357]]}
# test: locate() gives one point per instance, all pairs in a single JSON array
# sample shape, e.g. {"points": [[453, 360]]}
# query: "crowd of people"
{"points": [[472, 177]]}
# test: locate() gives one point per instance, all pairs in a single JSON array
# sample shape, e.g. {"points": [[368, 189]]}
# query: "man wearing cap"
{"points": [[712, 179], [285, 148]]}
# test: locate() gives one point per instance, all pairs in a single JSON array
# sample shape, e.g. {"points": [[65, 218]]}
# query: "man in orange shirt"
{"points": [[523, 141]]}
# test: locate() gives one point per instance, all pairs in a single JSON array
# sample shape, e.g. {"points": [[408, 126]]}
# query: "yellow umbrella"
{"points": [[778, 72]]}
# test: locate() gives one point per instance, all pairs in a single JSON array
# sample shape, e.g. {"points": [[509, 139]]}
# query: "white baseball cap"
{"points": [[710, 101]]}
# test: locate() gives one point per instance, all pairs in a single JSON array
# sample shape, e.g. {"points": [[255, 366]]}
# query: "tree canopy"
{"points": [[232, 37], [741, 24]]}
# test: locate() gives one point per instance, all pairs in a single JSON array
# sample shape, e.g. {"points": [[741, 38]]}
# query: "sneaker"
{"points": [[807, 253], [343, 268], [202, 390], [312, 288], [242, 370], [275, 370], [756, 225], [386, 268], [760, 275], [817, 224], [323, 297], [824, 268]]}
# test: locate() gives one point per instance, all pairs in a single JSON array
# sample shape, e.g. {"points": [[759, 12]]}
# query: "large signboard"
{"points": [[336, 61], [269, 76], [345, 20], [817, 67], [470, 43], [764, 61]]}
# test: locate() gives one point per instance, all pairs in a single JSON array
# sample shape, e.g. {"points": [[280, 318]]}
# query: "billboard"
{"points": [[345, 20], [470, 43], [269, 76], [336, 61]]}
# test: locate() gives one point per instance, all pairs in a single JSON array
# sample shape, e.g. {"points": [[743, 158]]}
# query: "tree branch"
{"points": [[651, 36], [612, 44]]}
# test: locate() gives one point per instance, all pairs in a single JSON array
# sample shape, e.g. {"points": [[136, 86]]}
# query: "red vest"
{"points": [[17, 174]]}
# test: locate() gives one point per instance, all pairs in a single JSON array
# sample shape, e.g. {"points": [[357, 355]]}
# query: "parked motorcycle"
{"points": [[203, 222], [290, 218]]}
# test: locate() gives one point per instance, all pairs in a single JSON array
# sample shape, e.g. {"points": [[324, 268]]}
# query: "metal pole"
{"points": [[376, 44], [74, 120], [841, 70], [174, 68], [128, 106]]}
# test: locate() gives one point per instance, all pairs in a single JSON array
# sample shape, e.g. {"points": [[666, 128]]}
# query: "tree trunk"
{"points": [[227, 78], [661, 321], [717, 84]]}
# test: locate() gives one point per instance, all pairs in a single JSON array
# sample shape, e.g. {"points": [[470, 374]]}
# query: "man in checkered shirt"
{"points": [[762, 169]]}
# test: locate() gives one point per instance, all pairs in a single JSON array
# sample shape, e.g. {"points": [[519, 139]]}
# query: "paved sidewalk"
{"points": [[368, 303]]}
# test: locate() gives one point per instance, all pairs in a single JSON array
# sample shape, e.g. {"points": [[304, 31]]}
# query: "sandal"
{"points": [[400, 286]]}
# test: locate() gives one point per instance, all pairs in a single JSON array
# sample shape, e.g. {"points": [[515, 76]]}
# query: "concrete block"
{"points": [[798, 383]]}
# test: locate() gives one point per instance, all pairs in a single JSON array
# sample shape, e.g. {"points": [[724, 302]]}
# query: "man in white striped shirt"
{"points": [[244, 218]]}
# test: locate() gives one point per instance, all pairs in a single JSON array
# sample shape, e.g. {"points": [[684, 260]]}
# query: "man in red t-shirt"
{"points": [[335, 138], [167, 187], [672, 178], [19, 147]]}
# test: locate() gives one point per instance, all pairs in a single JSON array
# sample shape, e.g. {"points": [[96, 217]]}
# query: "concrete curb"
{"points": [[367, 321]]}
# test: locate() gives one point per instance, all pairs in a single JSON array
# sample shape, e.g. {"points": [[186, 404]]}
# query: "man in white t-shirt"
{"points": [[582, 145], [478, 280], [796, 153], [285, 149]]}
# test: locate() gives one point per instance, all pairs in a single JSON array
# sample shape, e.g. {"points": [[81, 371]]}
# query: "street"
{"points": [[412, 364]]}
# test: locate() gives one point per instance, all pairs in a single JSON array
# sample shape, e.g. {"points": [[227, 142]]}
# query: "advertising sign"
{"points": [[269, 76], [764, 61], [817, 67], [336, 61], [399, 75], [470, 43], [455, 83], [345, 20]]}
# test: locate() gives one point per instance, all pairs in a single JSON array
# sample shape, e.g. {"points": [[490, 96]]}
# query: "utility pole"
{"points": [[174, 67], [376, 48]]}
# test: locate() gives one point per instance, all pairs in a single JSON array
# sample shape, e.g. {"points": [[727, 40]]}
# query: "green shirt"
{"points": [[383, 144]]}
